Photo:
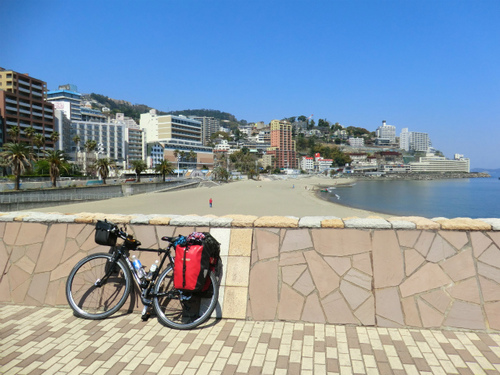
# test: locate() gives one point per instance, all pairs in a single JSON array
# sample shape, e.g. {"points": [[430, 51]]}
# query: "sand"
{"points": [[288, 197]]}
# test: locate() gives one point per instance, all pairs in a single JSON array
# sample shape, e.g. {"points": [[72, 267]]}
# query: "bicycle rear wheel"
{"points": [[97, 287], [181, 310]]}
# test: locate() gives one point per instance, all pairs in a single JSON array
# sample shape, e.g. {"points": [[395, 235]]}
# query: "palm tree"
{"points": [[17, 156], [14, 132], [39, 141], [56, 159], [102, 166], [54, 137], [165, 167], [29, 133], [90, 145], [77, 139], [138, 166], [192, 156]]}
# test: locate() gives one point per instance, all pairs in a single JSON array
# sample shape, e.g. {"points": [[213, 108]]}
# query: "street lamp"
{"points": [[178, 163]]}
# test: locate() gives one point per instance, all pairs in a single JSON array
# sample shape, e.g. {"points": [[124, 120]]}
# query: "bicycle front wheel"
{"points": [[183, 310], [97, 287]]}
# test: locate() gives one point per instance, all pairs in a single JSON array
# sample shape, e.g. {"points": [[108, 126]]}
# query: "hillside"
{"points": [[134, 110]]}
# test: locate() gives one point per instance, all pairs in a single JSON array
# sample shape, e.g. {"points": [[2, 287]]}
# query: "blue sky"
{"points": [[431, 66]]}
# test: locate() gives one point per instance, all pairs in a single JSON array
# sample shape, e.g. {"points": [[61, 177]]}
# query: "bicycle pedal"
{"points": [[146, 313]]}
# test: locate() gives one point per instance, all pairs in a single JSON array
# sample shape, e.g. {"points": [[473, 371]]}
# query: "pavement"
{"points": [[47, 340]]}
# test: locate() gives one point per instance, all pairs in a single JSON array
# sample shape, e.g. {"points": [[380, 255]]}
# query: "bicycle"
{"points": [[99, 285]]}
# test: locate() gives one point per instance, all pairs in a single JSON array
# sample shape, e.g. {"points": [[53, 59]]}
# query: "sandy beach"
{"points": [[289, 197]]}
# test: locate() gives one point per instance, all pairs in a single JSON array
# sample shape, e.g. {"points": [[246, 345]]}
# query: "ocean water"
{"points": [[468, 197]]}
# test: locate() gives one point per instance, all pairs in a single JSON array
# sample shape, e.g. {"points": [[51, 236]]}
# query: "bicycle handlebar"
{"points": [[130, 238]]}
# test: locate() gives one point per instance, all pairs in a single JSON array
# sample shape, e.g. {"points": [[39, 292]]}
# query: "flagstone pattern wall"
{"points": [[410, 272]]}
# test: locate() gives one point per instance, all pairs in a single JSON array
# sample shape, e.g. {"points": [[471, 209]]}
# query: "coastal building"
{"points": [[386, 134], [307, 164], [23, 104], [440, 164], [282, 146], [414, 141], [69, 101], [321, 164], [356, 142], [110, 138], [209, 126], [180, 138]]}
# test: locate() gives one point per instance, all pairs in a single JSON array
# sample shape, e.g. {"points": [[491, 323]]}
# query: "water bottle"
{"points": [[152, 269], [138, 267]]}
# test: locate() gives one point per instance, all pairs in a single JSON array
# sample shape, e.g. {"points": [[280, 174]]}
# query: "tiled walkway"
{"points": [[36, 340]]}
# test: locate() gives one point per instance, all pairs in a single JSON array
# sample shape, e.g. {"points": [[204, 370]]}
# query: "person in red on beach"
{"points": [[210, 202]]}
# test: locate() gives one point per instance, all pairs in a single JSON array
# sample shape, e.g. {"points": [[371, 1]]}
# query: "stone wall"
{"points": [[410, 272]]}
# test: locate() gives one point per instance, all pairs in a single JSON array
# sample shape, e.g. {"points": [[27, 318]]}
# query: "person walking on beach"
{"points": [[210, 202]]}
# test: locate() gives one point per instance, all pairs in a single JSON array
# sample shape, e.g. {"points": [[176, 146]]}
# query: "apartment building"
{"points": [[110, 138], [414, 141], [209, 126], [68, 99], [282, 146], [177, 136], [23, 104], [386, 133]]}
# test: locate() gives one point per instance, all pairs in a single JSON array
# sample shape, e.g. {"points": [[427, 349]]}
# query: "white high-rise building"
{"points": [[414, 141], [386, 132]]}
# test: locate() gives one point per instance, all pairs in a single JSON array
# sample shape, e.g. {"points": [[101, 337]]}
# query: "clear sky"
{"points": [[430, 66]]}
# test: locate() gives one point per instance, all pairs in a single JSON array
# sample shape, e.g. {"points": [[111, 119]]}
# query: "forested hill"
{"points": [[134, 110]]}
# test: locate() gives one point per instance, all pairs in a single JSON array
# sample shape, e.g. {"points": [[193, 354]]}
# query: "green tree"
{"points": [[77, 140], [17, 156], [90, 145], [54, 137], [165, 167], [221, 174], [29, 133], [323, 123], [103, 166], [192, 156], [14, 133], [39, 142], [56, 160], [138, 166]]}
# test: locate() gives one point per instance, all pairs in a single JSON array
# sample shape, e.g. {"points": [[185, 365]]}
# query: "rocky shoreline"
{"points": [[422, 176]]}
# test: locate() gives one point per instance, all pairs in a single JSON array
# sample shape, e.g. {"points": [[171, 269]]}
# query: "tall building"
{"points": [[110, 138], [386, 133], [23, 104], [180, 137], [67, 99], [209, 126], [282, 145], [414, 141]]}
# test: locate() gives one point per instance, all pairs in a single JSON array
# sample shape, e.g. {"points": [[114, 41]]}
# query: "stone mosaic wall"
{"points": [[36, 258], [410, 272], [387, 278]]}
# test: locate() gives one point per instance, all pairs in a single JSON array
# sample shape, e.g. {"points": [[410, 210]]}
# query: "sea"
{"points": [[450, 198]]}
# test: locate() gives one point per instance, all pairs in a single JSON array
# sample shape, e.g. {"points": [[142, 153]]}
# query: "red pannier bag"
{"points": [[194, 261]]}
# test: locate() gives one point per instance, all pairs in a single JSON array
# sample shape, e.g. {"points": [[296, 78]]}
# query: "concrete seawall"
{"points": [[31, 199], [399, 272]]}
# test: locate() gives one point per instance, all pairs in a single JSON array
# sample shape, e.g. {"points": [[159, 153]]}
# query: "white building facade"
{"points": [[386, 132]]}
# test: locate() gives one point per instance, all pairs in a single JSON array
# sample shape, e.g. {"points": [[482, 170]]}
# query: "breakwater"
{"points": [[399, 272]]}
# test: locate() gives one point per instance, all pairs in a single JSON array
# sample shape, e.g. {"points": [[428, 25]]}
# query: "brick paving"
{"points": [[43, 340]]}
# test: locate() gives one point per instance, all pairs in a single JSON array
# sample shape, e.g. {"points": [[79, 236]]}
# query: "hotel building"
{"points": [[177, 136], [23, 104], [282, 146]]}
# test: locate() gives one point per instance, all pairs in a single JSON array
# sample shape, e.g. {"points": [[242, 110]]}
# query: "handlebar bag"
{"points": [[104, 235], [193, 263]]}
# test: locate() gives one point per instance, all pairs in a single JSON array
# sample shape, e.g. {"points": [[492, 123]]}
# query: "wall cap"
{"points": [[242, 221]]}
